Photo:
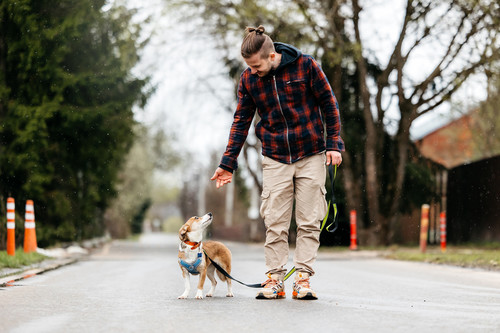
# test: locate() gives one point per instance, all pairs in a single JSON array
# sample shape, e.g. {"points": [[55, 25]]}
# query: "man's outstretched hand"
{"points": [[222, 177]]}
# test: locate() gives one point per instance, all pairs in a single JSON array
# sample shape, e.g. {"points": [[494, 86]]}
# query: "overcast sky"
{"points": [[193, 95]]}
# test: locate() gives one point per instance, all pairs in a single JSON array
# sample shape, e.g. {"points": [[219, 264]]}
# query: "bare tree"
{"points": [[460, 37], [486, 123], [465, 33]]}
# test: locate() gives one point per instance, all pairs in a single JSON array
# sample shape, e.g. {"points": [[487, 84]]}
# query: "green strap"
{"points": [[333, 201]]}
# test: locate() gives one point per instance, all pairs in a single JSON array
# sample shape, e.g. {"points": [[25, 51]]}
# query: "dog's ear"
{"points": [[183, 232]]}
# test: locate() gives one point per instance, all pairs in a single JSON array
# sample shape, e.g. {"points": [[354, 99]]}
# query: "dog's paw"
{"points": [[209, 295], [229, 295], [199, 294], [199, 297], [184, 295]]}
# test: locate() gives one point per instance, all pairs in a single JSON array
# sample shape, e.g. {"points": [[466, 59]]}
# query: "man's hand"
{"points": [[333, 157], [222, 177]]}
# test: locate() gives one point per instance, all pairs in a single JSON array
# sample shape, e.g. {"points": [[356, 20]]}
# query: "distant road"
{"points": [[133, 287]]}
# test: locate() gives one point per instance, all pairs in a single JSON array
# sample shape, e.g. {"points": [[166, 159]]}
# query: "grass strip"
{"points": [[20, 259], [485, 258]]}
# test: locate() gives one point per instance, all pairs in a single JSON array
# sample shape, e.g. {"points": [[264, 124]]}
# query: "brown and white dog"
{"points": [[193, 260]]}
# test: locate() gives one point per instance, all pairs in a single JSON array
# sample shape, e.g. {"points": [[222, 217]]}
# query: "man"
{"points": [[287, 89]]}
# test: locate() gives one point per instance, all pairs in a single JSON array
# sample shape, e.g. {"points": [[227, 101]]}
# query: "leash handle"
{"points": [[333, 201]]}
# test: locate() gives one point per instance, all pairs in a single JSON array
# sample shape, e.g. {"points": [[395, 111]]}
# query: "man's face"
{"points": [[258, 65]]}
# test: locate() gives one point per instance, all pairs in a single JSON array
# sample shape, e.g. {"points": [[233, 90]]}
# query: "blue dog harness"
{"points": [[191, 268]]}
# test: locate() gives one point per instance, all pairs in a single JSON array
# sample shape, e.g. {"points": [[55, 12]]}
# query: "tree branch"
{"points": [[446, 92], [451, 54], [252, 172]]}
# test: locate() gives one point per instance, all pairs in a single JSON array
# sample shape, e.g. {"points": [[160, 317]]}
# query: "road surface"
{"points": [[133, 287]]}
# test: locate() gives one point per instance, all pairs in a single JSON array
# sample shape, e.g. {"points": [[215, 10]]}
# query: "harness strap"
{"points": [[191, 268]]}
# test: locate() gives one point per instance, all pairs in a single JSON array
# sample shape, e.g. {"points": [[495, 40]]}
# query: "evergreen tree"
{"points": [[66, 98]]}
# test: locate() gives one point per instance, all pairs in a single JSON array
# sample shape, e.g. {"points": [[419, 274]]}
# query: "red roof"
{"points": [[451, 145]]}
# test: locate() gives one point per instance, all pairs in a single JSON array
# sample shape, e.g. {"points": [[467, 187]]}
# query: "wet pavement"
{"points": [[132, 286]]}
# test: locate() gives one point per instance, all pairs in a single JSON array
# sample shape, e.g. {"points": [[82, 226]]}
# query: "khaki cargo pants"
{"points": [[304, 182]]}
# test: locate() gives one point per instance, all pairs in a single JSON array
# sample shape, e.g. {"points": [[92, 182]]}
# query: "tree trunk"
{"points": [[352, 187], [3, 73], [372, 181], [254, 173]]}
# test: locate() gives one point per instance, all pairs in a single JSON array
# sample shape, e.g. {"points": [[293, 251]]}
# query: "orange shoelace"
{"points": [[303, 283], [270, 283]]}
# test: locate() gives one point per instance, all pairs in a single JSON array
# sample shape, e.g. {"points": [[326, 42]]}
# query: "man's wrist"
{"points": [[226, 168]]}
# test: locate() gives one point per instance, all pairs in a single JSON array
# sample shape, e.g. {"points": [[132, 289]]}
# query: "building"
{"points": [[467, 182]]}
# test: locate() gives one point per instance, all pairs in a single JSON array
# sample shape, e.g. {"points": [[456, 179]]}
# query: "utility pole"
{"points": [[229, 204], [202, 189]]}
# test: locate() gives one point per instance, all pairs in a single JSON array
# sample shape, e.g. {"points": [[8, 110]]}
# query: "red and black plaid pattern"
{"points": [[288, 103]]}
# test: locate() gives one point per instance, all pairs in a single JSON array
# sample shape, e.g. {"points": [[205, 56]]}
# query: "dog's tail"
{"points": [[227, 268], [221, 276]]}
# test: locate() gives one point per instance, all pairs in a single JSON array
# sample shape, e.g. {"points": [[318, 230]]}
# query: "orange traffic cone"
{"points": [[29, 228], [424, 227], [11, 227], [442, 229], [354, 234]]}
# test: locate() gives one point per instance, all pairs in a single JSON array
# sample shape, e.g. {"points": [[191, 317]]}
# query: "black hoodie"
{"points": [[288, 54]]}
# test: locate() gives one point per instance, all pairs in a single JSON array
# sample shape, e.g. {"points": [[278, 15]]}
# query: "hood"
{"points": [[288, 54]]}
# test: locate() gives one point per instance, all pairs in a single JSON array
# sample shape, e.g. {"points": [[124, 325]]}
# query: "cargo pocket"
{"points": [[265, 203], [322, 204]]}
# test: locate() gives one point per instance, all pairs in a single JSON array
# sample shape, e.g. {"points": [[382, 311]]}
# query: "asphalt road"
{"points": [[133, 286]]}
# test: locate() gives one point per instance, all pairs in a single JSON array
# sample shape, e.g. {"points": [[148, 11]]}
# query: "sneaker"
{"points": [[273, 288], [301, 287]]}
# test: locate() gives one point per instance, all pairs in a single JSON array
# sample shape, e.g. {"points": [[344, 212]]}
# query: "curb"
{"points": [[60, 258], [23, 273]]}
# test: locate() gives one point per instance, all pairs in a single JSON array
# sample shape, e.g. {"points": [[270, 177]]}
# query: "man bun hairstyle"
{"points": [[256, 41]]}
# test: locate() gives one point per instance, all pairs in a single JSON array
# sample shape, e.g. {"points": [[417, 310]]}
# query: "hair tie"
{"points": [[258, 31]]}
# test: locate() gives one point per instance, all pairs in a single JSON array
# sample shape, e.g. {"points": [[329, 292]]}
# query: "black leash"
{"points": [[226, 274], [334, 223]]}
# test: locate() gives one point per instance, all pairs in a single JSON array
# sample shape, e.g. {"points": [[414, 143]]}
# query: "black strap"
{"points": [[333, 201], [226, 274]]}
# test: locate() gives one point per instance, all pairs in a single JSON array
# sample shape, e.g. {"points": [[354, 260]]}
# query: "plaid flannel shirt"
{"points": [[288, 102]]}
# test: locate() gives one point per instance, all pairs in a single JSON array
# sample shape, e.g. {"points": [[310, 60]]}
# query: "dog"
{"points": [[193, 259]]}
